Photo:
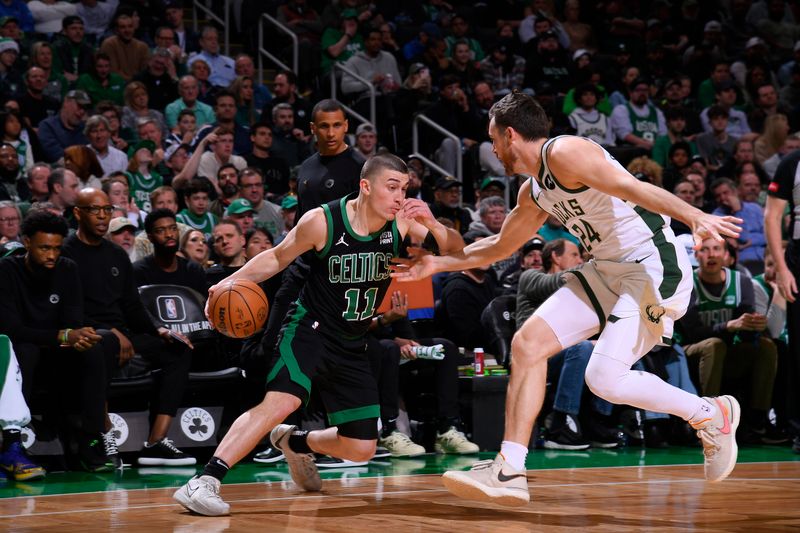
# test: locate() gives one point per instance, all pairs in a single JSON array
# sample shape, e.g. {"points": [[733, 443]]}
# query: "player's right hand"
{"points": [[210, 296], [709, 226], [787, 284], [82, 339]]}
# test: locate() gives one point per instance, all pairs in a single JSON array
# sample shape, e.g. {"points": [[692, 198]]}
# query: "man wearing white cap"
{"points": [[122, 231]]}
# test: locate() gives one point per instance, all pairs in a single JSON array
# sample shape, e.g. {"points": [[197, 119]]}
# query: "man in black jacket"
{"points": [[42, 311], [112, 302]]}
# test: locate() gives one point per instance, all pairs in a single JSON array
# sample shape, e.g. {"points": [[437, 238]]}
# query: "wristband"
{"points": [[65, 336]]}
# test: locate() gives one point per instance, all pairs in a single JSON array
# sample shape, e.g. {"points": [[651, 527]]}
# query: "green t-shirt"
{"points": [[331, 37], [97, 92], [661, 149], [204, 222], [141, 186]]}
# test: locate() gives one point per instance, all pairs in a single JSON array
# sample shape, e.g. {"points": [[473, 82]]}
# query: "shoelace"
{"points": [[110, 443], [709, 439], [481, 465], [454, 435], [402, 437], [171, 447]]}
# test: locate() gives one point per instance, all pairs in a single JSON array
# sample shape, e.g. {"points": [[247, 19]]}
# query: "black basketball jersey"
{"points": [[350, 276]]}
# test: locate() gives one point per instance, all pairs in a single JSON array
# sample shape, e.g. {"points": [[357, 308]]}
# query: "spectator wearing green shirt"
{"points": [[339, 44], [142, 178], [101, 84], [189, 90], [676, 128], [196, 214], [459, 28]]}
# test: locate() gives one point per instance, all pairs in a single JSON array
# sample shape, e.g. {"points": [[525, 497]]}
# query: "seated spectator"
{"points": [[676, 132], [35, 106], [122, 232], [267, 214], [185, 131], [638, 122], [373, 64], [366, 140], [225, 113], [201, 72], [413, 49], [645, 169], [586, 120], [242, 213], [10, 77], [163, 197], [72, 55], [83, 162], [702, 198], [242, 90], [221, 153], [119, 136], [342, 42], [42, 57], [284, 90], [289, 214], [244, 66], [726, 98], [775, 133], [748, 184], [743, 152], [48, 14], [228, 241], [766, 104], [722, 331], [10, 219], [98, 132], [679, 159], [290, 142], [258, 240], [550, 63], [447, 196], [128, 54], [149, 129], [97, 17], [791, 144], [137, 106], [716, 145], [66, 128], [116, 188], [100, 83], [111, 302], [186, 39], [193, 247], [502, 70], [11, 184], [275, 169], [142, 177], [18, 9], [685, 191], [159, 79], [196, 215], [188, 89], [37, 179], [222, 67], [227, 180], [63, 191], [165, 38], [752, 240], [43, 312], [11, 132], [463, 65]]}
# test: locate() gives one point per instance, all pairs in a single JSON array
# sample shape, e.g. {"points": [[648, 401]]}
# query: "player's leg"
{"points": [[354, 441], [564, 319], [625, 339]]}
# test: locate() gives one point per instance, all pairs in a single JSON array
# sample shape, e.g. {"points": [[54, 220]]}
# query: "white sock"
{"points": [[514, 454], [703, 415]]}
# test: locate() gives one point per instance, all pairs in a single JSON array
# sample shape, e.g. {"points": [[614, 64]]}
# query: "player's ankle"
{"points": [[298, 441], [216, 468]]}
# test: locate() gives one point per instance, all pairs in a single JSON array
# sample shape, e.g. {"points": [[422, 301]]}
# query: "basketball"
{"points": [[238, 308]]}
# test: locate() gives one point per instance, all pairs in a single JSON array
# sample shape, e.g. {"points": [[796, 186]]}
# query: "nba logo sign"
{"points": [[171, 308]]}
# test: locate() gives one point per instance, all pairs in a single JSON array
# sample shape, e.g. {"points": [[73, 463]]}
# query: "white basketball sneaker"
{"points": [[719, 438], [493, 481], [201, 495]]}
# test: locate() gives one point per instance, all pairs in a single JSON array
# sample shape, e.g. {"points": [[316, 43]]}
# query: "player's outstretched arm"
{"points": [[520, 225], [309, 233], [578, 161]]}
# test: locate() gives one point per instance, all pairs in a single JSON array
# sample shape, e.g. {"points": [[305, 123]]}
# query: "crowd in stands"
{"points": [[135, 152]]}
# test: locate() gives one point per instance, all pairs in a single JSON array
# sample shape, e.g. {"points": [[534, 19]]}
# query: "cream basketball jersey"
{"points": [[612, 229]]}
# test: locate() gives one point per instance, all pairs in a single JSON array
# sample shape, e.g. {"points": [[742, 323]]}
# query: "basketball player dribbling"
{"points": [[322, 342], [637, 285]]}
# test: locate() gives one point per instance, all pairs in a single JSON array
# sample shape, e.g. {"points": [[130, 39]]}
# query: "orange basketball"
{"points": [[238, 308]]}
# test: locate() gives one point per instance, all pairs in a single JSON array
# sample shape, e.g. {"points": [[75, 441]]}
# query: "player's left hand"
{"points": [[709, 226], [416, 269], [406, 347], [419, 211]]}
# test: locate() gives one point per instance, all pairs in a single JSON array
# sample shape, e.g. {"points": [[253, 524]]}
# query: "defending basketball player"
{"points": [[637, 285], [323, 337]]}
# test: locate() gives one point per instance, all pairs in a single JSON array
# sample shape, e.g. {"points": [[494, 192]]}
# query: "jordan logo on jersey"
{"points": [[341, 241]]}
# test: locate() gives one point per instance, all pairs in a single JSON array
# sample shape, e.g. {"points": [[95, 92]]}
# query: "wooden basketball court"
{"points": [[757, 497]]}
